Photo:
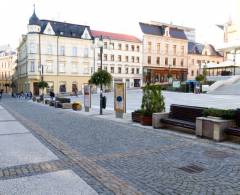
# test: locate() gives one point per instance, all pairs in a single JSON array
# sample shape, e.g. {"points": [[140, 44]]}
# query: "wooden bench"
{"points": [[183, 116], [236, 129]]}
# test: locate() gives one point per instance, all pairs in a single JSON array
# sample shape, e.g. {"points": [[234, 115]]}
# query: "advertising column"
{"points": [[119, 99], [87, 97]]}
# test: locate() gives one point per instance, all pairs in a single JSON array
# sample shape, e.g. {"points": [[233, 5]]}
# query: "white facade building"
{"points": [[122, 57]]}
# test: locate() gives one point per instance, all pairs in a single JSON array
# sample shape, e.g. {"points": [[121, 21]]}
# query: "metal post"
{"points": [[101, 95]]}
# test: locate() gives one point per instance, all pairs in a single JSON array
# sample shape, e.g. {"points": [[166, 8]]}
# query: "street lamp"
{"points": [[99, 44]]}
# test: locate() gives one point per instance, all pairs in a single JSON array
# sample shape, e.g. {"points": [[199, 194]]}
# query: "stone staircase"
{"points": [[229, 87]]}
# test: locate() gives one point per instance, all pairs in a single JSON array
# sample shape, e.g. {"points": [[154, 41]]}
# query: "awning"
{"points": [[225, 64]]}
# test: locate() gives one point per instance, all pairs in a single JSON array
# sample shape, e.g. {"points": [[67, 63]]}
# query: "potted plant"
{"points": [[77, 106], [136, 116], [152, 102]]}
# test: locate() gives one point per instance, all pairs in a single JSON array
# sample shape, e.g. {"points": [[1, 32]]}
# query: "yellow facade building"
{"points": [[57, 52]]}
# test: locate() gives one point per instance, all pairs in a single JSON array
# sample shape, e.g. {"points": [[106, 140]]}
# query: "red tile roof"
{"points": [[115, 36]]}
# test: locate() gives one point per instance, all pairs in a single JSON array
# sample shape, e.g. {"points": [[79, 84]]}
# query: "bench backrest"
{"points": [[238, 117], [186, 113]]}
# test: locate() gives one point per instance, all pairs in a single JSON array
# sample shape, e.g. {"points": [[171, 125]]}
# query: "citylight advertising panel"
{"points": [[119, 97]]}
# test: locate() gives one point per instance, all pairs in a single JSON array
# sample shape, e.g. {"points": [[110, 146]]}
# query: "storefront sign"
{"points": [[87, 97], [119, 97]]}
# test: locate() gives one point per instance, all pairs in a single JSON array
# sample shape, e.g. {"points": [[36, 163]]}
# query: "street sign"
{"points": [[119, 98]]}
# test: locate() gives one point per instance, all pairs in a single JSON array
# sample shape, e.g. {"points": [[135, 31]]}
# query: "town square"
{"points": [[125, 98]]}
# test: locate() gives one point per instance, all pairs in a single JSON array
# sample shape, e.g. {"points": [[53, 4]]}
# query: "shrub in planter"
{"points": [[34, 99], [136, 116], [77, 106], [63, 100], [46, 101], [224, 114], [152, 102]]}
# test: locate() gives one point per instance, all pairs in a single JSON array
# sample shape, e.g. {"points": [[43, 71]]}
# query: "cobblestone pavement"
{"points": [[123, 158]]}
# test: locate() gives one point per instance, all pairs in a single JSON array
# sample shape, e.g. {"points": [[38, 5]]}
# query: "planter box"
{"points": [[212, 127], [136, 117], [52, 103], [58, 104], [46, 101], [156, 119], [67, 106], [146, 120]]}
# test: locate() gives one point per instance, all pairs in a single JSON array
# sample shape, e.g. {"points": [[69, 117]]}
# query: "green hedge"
{"points": [[225, 114]]}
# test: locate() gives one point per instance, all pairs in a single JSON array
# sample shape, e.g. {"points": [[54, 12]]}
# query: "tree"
{"points": [[101, 77], [42, 85], [200, 78]]}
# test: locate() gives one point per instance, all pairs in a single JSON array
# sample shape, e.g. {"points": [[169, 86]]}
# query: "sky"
{"points": [[121, 16]]}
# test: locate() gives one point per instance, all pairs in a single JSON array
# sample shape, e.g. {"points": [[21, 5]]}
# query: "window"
{"points": [[85, 54], [105, 68], [49, 49], [119, 58], [74, 67], [126, 47], [62, 87], [133, 47], [182, 50], [32, 48], [112, 57], [158, 47], [99, 56], [132, 70], [137, 59], [126, 70], [74, 51], [105, 57], [174, 61], [132, 58], [182, 62], [158, 60], [62, 67], [149, 60], [112, 45], [138, 48], [32, 66], [126, 58], [120, 46], [137, 70], [62, 50], [192, 73], [112, 69], [105, 45], [49, 67], [174, 49], [192, 61], [149, 46], [119, 70], [199, 62], [166, 61]]}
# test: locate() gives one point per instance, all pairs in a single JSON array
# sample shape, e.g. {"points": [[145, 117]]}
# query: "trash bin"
{"points": [[104, 102]]}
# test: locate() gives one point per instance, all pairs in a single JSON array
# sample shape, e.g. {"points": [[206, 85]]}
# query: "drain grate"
{"points": [[217, 154], [192, 168]]}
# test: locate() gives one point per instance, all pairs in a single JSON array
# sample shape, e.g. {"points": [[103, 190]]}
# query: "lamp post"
{"points": [[101, 55]]}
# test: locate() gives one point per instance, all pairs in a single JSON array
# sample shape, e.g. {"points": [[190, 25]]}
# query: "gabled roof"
{"points": [[65, 29], [195, 48], [115, 36], [157, 30]]}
